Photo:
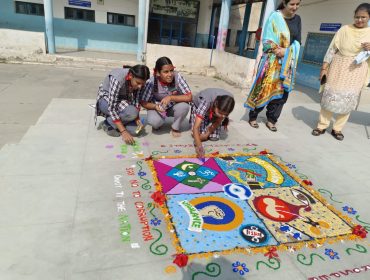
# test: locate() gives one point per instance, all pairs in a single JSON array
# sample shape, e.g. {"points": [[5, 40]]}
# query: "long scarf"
{"points": [[273, 75]]}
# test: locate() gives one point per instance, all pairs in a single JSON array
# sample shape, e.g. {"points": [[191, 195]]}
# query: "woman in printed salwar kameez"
{"points": [[277, 68], [346, 68]]}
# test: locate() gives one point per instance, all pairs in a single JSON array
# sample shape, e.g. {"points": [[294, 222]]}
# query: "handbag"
{"points": [[322, 84]]}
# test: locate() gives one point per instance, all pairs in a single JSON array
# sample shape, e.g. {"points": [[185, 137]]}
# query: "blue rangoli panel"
{"points": [[214, 222], [256, 171]]}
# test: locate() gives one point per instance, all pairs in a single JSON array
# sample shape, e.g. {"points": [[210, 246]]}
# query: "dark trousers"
{"points": [[274, 109]]}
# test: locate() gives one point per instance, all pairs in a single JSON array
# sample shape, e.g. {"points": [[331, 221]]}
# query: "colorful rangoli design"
{"points": [[239, 202]]}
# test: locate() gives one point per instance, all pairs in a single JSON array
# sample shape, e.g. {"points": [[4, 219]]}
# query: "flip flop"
{"points": [[272, 128], [254, 125]]}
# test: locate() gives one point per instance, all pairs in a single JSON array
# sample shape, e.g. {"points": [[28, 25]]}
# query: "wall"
{"points": [[128, 7], [313, 13], [204, 21], [180, 57], [237, 17], [232, 68], [74, 34], [21, 42]]}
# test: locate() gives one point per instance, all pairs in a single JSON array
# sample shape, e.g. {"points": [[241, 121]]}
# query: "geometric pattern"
{"points": [[263, 204]]}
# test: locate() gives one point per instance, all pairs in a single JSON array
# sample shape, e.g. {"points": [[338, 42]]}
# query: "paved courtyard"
{"points": [[70, 194]]}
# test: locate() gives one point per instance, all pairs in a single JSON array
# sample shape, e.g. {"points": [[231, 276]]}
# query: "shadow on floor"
{"points": [[310, 117], [220, 268], [310, 92]]}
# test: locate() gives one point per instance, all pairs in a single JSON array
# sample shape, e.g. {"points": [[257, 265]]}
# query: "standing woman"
{"points": [[166, 94], [276, 71], [345, 77], [118, 100]]}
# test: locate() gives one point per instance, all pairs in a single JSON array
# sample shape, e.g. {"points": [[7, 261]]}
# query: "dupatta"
{"points": [[274, 76]]}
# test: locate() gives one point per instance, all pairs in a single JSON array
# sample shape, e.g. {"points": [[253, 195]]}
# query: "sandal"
{"points": [[318, 131], [272, 127], [337, 135], [253, 124]]}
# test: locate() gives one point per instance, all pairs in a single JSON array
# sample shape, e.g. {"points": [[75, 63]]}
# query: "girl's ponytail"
{"points": [[139, 71]]}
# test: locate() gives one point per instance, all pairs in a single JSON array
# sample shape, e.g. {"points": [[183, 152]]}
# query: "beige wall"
{"points": [[232, 68], [21, 42]]}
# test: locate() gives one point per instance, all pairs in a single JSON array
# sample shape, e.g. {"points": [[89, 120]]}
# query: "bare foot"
{"points": [[175, 133]]}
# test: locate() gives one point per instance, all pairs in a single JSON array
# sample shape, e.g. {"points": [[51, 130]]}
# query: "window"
{"points": [[120, 19], [251, 43], [79, 14], [29, 8], [228, 38]]}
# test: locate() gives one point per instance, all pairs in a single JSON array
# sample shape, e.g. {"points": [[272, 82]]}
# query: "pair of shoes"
{"points": [[318, 131], [110, 130], [272, 127], [102, 125], [337, 135], [253, 124]]}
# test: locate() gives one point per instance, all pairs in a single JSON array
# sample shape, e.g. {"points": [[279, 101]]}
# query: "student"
{"points": [[118, 101], [166, 94], [211, 108]]}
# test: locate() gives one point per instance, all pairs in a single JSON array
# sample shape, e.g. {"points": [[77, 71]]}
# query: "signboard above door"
{"points": [[179, 8], [80, 3], [331, 27]]}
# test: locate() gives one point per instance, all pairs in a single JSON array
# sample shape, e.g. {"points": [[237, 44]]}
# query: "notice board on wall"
{"points": [[179, 8], [316, 46]]}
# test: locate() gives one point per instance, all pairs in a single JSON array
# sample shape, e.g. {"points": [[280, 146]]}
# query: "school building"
{"points": [[185, 30]]}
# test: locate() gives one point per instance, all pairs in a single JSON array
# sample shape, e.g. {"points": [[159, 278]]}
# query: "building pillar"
{"points": [[49, 27], [141, 30], [260, 24], [244, 34], [271, 5], [212, 28], [223, 24]]}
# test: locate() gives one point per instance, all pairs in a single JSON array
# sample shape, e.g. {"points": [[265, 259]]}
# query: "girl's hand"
{"points": [[165, 101], [366, 46], [159, 108], [200, 151], [127, 137]]}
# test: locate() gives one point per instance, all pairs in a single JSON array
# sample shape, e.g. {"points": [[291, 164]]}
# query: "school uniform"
{"points": [[115, 101], [156, 90], [202, 107]]}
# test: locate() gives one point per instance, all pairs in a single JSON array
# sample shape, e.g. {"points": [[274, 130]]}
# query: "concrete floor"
{"points": [[58, 183]]}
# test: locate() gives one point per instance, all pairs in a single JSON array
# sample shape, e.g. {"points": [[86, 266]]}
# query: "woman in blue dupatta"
{"points": [[276, 71]]}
